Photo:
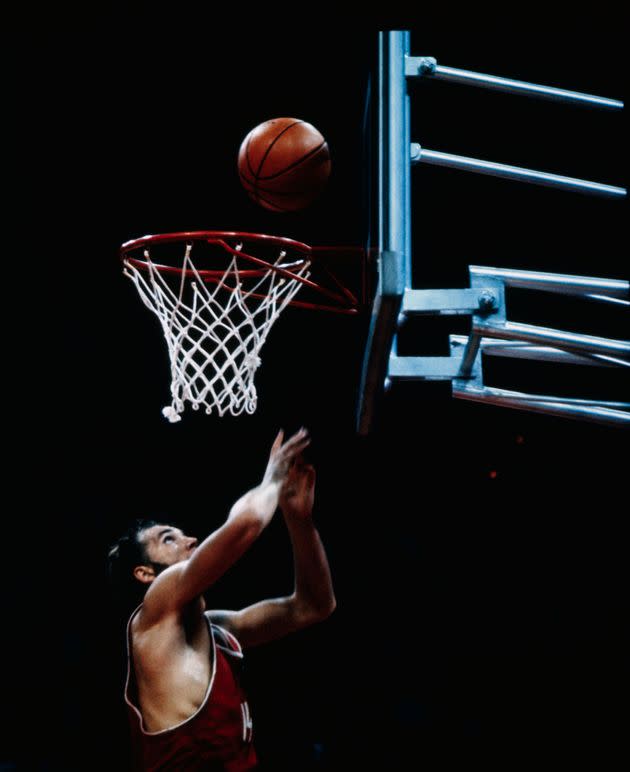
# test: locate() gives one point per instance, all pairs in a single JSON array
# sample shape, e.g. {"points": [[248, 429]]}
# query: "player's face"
{"points": [[167, 545]]}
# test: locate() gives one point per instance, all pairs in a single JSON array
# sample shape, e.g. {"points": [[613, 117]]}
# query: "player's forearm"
{"points": [[224, 546], [313, 581], [257, 506]]}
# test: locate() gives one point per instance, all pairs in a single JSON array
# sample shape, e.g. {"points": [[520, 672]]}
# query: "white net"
{"points": [[215, 331]]}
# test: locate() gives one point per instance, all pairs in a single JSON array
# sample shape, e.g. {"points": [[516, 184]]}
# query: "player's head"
{"points": [[143, 552]]}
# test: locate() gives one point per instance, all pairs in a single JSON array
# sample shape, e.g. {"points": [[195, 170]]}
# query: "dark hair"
{"points": [[123, 556]]}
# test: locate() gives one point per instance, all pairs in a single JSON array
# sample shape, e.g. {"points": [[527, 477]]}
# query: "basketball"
{"points": [[284, 164]]}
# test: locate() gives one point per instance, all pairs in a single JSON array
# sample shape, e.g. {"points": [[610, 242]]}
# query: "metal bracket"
{"points": [[418, 66], [447, 302], [465, 362], [425, 368]]}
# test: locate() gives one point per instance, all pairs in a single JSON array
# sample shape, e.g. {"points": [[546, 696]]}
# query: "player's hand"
{"points": [[282, 455], [298, 492]]}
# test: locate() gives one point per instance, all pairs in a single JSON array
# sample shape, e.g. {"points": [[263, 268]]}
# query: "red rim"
{"points": [[348, 302], [212, 237]]}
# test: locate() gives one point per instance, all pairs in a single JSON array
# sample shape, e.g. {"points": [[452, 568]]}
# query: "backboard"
{"points": [[388, 236]]}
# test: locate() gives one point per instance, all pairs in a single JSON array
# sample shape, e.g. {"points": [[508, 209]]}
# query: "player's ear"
{"points": [[144, 574]]}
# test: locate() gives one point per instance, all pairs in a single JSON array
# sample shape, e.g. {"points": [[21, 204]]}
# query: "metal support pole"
{"points": [[562, 339], [607, 413], [516, 349], [516, 173], [427, 66], [564, 284], [393, 143]]}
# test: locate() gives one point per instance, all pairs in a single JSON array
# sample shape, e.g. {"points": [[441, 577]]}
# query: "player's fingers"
{"points": [[297, 443], [296, 450], [297, 436], [308, 477], [277, 443], [293, 471]]}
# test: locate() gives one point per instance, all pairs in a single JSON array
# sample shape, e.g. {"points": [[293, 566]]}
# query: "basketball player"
{"points": [[186, 707]]}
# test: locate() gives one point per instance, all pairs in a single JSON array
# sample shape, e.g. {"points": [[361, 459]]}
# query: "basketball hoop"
{"points": [[216, 313]]}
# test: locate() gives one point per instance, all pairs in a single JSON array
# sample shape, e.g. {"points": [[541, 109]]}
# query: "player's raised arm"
{"points": [[181, 583], [313, 598]]}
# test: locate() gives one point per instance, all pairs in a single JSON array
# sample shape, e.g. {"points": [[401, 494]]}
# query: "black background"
{"points": [[477, 552]]}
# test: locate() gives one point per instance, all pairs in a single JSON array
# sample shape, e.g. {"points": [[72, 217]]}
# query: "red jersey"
{"points": [[218, 736]]}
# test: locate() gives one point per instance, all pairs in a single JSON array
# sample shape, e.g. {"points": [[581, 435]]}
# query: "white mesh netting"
{"points": [[214, 332]]}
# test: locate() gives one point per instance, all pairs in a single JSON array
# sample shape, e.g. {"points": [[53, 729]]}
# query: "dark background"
{"points": [[477, 552]]}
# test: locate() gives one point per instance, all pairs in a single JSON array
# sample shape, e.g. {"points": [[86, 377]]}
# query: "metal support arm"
{"points": [[427, 67], [515, 173]]}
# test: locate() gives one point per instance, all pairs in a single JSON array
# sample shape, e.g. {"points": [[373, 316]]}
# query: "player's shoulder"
{"points": [[160, 601], [149, 619]]}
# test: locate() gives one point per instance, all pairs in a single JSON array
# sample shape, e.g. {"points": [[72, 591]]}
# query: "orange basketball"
{"points": [[284, 164]]}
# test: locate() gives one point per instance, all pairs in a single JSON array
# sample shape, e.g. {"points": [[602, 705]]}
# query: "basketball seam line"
{"points": [[255, 187], [294, 164], [249, 163], [272, 204], [276, 138]]}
